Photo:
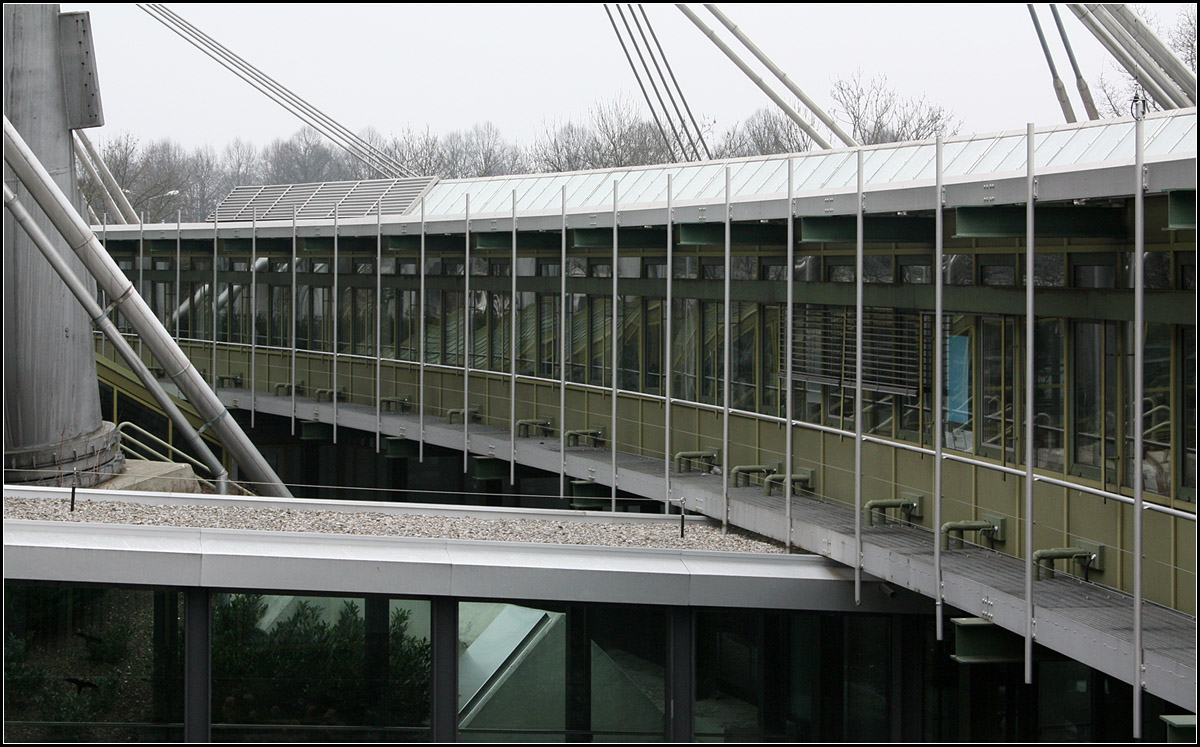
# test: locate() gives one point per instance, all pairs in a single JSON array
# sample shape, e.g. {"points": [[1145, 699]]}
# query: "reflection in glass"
{"points": [[90, 664], [287, 667]]}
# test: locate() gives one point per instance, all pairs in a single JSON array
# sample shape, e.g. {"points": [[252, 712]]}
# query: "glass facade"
{"points": [[98, 663]]}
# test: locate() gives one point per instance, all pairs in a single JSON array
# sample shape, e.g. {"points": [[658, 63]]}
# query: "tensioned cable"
{"points": [[653, 85], [281, 95], [621, 39], [340, 135], [667, 65], [663, 80], [295, 104]]}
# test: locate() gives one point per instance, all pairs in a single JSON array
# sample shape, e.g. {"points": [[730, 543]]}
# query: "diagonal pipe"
{"points": [[109, 277], [102, 321]]}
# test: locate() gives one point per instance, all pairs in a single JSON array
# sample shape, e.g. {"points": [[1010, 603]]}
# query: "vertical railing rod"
{"points": [[938, 373], [253, 311], [668, 345], [379, 327], [212, 374], [141, 268], [1139, 425], [788, 320], [292, 378], [726, 461], [563, 329], [1031, 187], [178, 261], [466, 327], [335, 313], [858, 382], [615, 300], [421, 341], [512, 350]]}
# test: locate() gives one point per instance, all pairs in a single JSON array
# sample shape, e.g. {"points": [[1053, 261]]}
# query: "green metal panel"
{"points": [[397, 448], [742, 234], [412, 243], [978, 641], [898, 229], [1181, 209], [490, 468], [1181, 728], [314, 430], [1050, 222], [600, 238], [525, 240]]}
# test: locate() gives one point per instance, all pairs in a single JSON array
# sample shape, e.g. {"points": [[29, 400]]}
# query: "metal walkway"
{"points": [[1090, 623]]}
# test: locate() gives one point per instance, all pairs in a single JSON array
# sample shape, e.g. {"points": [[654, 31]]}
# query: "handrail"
{"points": [[953, 457], [137, 428]]}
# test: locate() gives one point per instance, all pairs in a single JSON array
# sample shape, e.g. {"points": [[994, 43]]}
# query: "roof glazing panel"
{"points": [[1063, 146]]}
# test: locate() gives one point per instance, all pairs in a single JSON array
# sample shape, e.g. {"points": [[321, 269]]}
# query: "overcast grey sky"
{"points": [[522, 66]]}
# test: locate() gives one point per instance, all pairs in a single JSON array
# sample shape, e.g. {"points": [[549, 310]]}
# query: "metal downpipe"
{"points": [[100, 318], [112, 280]]}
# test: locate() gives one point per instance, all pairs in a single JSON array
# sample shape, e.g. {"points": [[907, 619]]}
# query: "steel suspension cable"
{"points": [[653, 113], [667, 65], [654, 86], [327, 126], [663, 80]]}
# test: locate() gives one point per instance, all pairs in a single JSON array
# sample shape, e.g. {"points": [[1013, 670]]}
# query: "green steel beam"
{"points": [[489, 468], [315, 430], [630, 238], [891, 229], [742, 234], [1181, 210], [1050, 222], [525, 240], [979, 641], [396, 447], [412, 243]]}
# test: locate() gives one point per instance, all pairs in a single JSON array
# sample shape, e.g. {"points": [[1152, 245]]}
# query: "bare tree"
{"points": [[1118, 87], [1182, 36], [765, 132], [877, 114]]}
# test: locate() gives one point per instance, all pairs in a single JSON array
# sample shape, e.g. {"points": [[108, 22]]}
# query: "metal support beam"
{"points": [[826, 120], [1031, 186], [668, 349], [379, 328], [512, 351], [333, 302], [253, 314], [1053, 222], [681, 675], [1060, 90], [858, 373], [421, 352], [1139, 414], [616, 299], [938, 373], [727, 364], [891, 229], [756, 78], [467, 347], [790, 321], [1085, 93], [443, 721], [197, 668], [563, 328], [292, 376]]}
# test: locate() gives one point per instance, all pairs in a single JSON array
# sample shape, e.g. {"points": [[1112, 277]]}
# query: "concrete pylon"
{"points": [[52, 423]]}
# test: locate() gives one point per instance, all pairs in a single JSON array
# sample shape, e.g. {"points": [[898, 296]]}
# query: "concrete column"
{"points": [[52, 420]]}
